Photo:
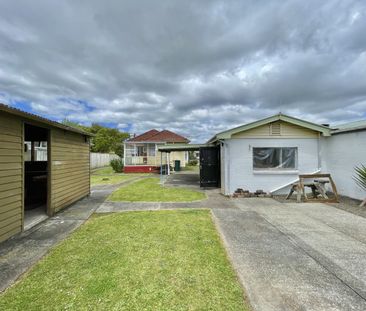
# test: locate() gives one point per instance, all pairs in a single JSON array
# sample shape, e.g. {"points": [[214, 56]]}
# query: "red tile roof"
{"points": [[163, 136], [145, 136]]}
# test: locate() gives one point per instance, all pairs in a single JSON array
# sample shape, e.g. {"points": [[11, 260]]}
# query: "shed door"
{"points": [[210, 167]]}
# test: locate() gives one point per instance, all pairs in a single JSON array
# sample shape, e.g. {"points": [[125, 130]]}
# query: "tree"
{"points": [[76, 125], [109, 140], [105, 140]]}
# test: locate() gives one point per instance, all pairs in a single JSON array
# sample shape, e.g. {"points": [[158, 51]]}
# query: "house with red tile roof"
{"points": [[141, 153]]}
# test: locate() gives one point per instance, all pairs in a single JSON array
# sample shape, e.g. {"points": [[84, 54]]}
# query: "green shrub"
{"points": [[360, 177], [117, 165], [193, 162]]}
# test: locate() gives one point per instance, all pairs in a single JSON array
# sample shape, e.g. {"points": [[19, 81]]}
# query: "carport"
{"points": [[209, 161]]}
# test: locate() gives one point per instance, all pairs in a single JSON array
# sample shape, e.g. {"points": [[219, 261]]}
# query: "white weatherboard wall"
{"points": [[239, 163], [223, 170], [342, 152]]}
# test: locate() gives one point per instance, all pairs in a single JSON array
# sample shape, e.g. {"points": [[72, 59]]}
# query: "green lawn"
{"points": [[149, 190], [108, 170], [108, 179], [162, 260], [106, 176]]}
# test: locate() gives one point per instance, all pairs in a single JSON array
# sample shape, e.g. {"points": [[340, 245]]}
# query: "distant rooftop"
{"points": [[349, 127]]}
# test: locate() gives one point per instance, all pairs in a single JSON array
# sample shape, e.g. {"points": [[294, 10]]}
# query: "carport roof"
{"points": [[182, 147]]}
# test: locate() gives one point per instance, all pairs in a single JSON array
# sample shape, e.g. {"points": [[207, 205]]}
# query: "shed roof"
{"points": [[349, 127], [33, 117], [162, 136], [325, 130]]}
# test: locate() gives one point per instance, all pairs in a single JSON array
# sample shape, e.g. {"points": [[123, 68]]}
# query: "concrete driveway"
{"points": [[306, 256]]}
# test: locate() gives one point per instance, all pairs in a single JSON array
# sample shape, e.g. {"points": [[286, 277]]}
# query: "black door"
{"points": [[210, 167]]}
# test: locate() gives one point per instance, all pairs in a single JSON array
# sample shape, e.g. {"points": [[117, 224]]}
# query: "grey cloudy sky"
{"points": [[195, 67]]}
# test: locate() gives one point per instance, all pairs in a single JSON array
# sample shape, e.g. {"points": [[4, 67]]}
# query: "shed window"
{"points": [[275, 158]]}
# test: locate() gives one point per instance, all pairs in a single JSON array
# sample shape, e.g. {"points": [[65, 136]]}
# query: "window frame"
{"points": [[276, 169]]}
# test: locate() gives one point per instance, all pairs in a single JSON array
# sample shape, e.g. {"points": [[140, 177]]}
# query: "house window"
{"points": [[152, 150], [275, 158], [141, 151]]}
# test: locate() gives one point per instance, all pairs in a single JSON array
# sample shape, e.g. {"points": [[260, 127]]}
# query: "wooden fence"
{"points": [[101, 159]]}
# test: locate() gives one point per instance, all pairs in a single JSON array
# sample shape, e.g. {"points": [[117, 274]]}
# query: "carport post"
{"points": [[161, 167], [168, 160]]}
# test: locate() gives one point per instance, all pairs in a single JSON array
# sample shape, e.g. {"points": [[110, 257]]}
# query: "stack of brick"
{"points": [[241, 193]]}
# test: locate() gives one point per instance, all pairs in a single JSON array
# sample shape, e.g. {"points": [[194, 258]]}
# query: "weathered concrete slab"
{"points": [[290, 258], [114, 207], [214, 200]]}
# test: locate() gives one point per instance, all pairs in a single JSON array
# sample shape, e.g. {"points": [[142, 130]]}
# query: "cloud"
{"points": [[195, 67]]}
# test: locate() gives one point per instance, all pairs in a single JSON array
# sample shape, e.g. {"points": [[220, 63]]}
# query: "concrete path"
{"points": [[185, 179], [296, 256], [214, 200], [22, 251]]}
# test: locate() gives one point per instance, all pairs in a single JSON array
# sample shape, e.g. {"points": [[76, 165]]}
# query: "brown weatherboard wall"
{"points": [[70, 179], [68, 171], [11, 175]]}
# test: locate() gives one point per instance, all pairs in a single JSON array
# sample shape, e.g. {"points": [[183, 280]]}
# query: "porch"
{"points": [[141, 154]]}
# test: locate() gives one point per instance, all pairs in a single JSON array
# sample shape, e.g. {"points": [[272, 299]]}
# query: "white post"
{"points": [[134, 154], [161, 167], [124, 153], [168, 160], [156, 152]]}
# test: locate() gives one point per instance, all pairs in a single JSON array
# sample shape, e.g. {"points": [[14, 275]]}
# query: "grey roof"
{"points": [[349, 127]]}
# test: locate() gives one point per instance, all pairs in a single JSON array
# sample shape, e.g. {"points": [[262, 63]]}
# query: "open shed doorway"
{"points": [[36, 174]]}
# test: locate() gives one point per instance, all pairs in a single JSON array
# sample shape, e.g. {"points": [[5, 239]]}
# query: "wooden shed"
{"points": [[44, 167]]}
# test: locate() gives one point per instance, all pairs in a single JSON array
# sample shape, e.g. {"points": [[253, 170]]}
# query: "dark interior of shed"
{"points": [[35, 172]]}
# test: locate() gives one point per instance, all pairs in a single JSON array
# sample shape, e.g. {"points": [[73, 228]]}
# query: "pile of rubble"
{"points": [[241, 193]]}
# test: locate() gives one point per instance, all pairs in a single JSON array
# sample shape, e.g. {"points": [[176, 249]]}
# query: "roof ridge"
{"points": [[163, 136]]}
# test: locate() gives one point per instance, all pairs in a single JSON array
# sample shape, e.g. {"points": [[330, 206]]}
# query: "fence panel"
{"points": [[101, 159]]}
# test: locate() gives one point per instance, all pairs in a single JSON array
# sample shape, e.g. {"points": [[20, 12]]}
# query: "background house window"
{"points": [[39, 151], [275, 158], [152, 150], [141, 151]]}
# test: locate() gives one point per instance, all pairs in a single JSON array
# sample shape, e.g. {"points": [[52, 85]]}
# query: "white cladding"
{"points": [[238, 163], [342, 153]]}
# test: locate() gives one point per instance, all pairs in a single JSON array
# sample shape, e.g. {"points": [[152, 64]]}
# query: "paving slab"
{"points": [[296, 256]]}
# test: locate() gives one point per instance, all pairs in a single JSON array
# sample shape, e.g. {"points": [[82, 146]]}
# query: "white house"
{"points": [[270, 154], [344, 150]]}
